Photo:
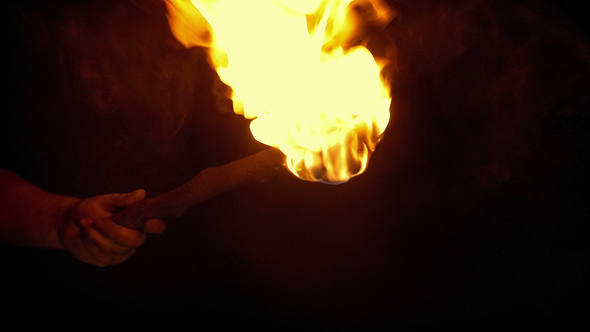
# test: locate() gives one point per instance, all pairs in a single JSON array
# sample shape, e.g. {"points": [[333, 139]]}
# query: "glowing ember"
{"points": [[322, 105]]}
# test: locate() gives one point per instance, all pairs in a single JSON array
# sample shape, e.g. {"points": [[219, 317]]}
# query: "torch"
{"points": [[317, 100]]}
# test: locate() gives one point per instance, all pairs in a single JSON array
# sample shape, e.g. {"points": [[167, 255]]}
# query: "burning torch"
{"points": [[314, 97]]}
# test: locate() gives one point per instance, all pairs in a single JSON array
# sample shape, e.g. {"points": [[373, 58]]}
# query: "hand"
{"points": [[92, 237]]}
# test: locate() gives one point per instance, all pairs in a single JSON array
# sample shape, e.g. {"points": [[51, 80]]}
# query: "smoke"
{"points": [[484, 92], [491, 91], [108, 81], [116, 58]]}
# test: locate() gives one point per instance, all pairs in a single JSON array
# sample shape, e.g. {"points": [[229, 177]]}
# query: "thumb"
{"points": [[127, 198]]}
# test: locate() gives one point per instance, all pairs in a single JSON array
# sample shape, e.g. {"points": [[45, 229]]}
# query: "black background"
{"points": [[473, 210]]}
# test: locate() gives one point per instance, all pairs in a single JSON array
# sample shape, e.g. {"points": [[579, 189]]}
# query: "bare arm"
{"points": [[30, 216]]}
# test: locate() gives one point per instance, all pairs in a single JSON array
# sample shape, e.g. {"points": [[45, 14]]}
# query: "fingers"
{"points": [[129, 198], [108, 242], [101, 241], [154, 226], [119, 235], [111, 201]]}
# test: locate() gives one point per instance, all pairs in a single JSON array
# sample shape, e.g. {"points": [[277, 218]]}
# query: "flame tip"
{"points": [[307, 89]]}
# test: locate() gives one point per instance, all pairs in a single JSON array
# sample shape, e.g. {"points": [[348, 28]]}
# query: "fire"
{"points": [[322, 103]]}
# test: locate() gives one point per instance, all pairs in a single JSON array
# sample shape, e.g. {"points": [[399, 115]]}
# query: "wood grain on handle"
{"points": [[207, 184]]}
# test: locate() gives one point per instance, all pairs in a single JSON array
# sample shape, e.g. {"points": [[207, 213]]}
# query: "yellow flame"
{"points": [[321, 104]]}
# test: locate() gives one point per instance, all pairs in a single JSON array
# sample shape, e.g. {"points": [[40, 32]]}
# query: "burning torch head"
{"points": [[293, 71]]}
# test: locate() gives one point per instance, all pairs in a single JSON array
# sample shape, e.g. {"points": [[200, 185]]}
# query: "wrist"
{"points": [[61, 220]]}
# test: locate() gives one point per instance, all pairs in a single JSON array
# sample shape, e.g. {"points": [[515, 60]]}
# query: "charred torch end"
{"points": [[259, 167]]}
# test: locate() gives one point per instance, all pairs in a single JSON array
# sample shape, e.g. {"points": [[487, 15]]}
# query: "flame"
{"points": [[324, 105]]}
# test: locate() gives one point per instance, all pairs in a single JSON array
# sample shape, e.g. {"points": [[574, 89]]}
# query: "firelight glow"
{"points": [[324, 105]]}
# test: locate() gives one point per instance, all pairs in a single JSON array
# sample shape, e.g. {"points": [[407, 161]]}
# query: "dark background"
{"points": [[473, 210]]}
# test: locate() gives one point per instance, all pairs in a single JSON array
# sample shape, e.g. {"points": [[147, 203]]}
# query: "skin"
{"points": [[30, 216]]}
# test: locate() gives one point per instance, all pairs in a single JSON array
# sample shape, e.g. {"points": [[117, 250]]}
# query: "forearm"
{"points": [[30, 216]]}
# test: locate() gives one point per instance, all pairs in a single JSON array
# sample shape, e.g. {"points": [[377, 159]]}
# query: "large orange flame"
{"points": [[323, 105]]}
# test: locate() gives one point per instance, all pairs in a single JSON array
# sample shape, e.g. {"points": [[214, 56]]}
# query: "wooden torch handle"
{"points": [[207, 184]]}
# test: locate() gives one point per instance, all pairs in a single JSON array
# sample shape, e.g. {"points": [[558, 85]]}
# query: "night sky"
{"points": [[473, 210]]}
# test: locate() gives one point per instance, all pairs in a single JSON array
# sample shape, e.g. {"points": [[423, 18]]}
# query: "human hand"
{"points": [[90, 236]]}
